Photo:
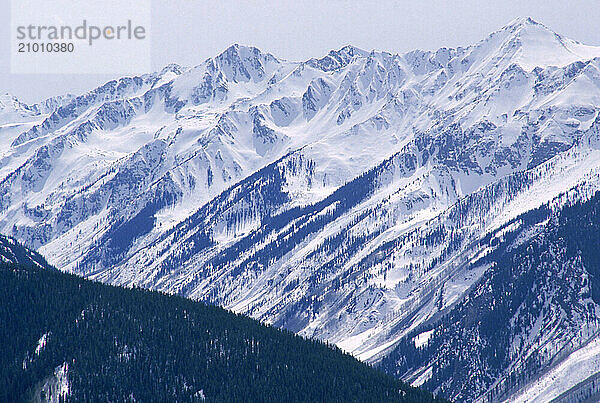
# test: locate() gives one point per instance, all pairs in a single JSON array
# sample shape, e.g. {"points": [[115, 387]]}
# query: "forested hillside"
{"points": [[65, 338]]}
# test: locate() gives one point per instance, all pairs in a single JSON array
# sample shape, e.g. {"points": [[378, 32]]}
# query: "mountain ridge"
{"points": [[338, 197]]}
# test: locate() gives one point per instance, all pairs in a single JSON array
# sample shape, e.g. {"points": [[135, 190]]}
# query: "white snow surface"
{"points": [[41, 343], [578, 366], [421, 339]]}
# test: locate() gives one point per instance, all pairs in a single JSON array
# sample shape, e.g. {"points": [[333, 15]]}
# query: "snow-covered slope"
{"points": [[337, 197], [578, 367], [533, 313]]}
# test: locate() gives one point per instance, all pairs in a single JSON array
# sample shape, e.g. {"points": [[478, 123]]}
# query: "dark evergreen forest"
{"points": [[137, 345]]}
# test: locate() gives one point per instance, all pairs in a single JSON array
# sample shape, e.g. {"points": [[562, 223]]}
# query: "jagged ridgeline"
{"points": [[77, 340]]}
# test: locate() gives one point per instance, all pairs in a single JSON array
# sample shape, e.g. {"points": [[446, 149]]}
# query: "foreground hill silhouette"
{"points": [[78, 340]]}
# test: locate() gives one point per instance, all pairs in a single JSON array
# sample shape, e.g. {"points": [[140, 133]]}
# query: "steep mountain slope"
{"points": [[535, 308], [108, 343], [581, 368], [339, 197]]}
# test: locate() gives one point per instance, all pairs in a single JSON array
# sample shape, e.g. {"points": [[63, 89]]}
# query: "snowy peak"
{"points": [[7, 100], [523, 22], [10, 103], [13, 110], [245, 63], [337, 59], [51, 104], [348, 52], [531, 44]]}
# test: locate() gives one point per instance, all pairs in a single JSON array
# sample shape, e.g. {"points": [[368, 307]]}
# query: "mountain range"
{"points": [[371, 200]]}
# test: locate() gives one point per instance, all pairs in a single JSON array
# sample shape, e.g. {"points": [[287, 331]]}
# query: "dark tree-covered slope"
{"points": [[59, 332], [14, 253]]}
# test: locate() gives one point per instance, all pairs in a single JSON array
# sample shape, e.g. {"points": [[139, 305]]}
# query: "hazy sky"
{"points": [[187, 31]]}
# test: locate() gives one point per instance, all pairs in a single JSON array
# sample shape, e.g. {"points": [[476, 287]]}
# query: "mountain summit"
{"points": [[532, 44]]}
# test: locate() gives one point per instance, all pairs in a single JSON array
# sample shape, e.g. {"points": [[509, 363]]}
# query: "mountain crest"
{"points": [[245, 63], [531, 44], [523, 22], [337, 59]]}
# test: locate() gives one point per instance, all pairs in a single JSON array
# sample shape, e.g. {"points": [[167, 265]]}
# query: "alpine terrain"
{"points": [[433, 212]]}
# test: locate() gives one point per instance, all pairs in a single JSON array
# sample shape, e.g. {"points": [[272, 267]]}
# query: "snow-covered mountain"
{"points": [[344, 197], [532, 319]]}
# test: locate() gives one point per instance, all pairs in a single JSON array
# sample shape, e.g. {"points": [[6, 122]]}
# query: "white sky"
{"points": [[187, 31]]}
